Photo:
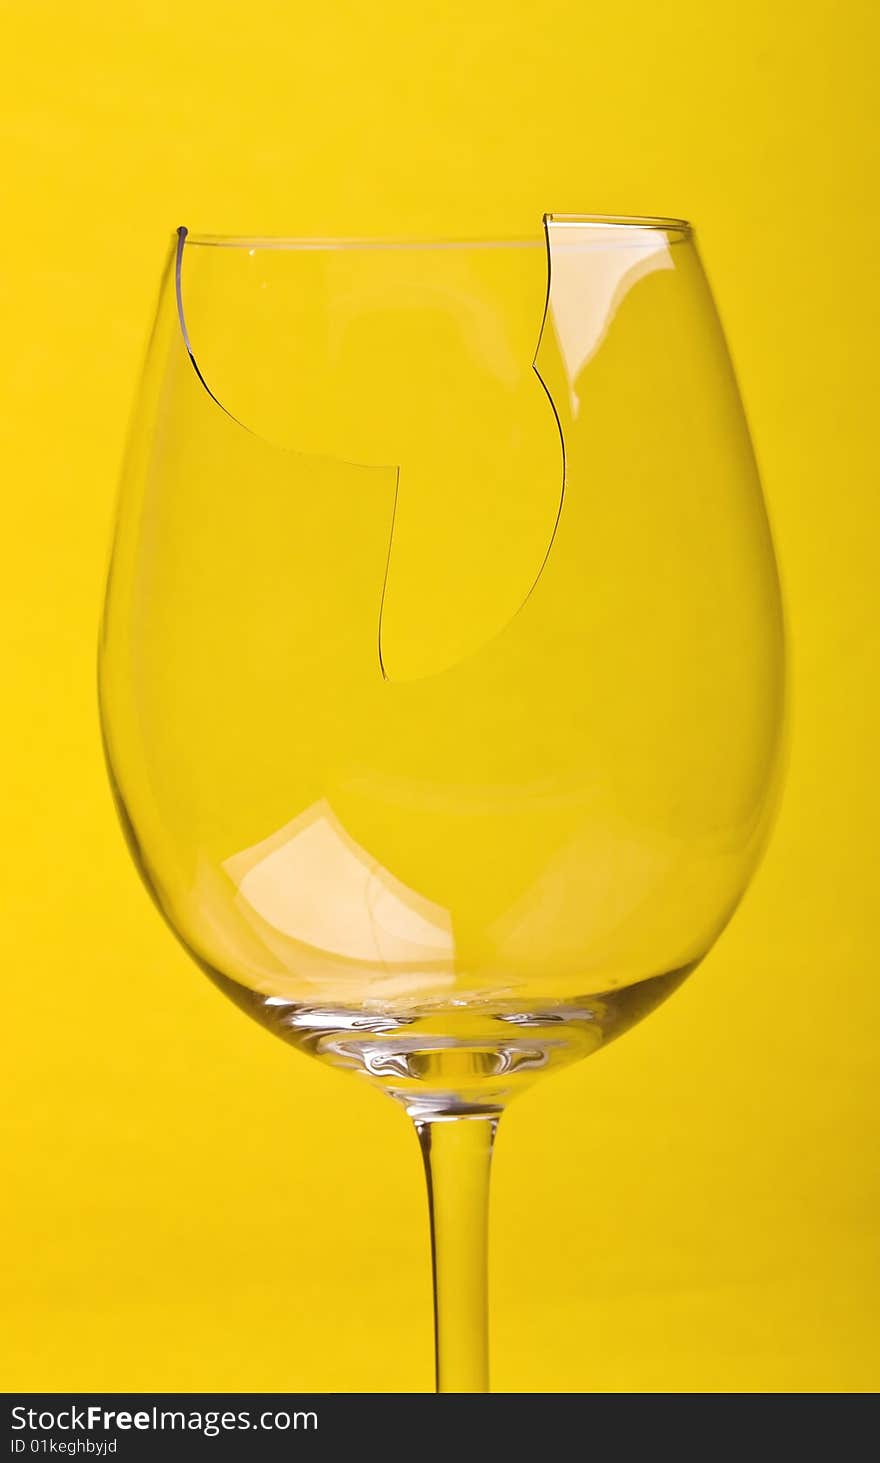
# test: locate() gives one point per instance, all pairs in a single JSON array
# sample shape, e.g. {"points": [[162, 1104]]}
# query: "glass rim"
{"points": [[622, 223]]}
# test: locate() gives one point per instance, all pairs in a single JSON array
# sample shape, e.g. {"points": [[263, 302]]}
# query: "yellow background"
{"points": [[191, 1205]]}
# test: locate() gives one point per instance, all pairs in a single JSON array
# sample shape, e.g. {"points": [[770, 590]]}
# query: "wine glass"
{"points": [[442, 665]]}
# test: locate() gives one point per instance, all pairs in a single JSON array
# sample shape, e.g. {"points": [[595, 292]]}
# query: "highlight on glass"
{"points": [[442, 660]]}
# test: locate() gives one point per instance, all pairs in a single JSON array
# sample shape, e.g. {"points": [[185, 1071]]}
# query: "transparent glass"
{"points": [[441, 669]]}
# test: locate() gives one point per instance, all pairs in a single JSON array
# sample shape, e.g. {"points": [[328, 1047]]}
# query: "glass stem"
{"points": [[458, 1157]]}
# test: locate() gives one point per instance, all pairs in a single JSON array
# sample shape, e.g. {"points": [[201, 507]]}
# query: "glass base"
{"points": [[462, 1058]]}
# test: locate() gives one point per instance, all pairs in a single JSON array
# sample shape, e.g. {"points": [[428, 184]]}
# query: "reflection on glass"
{"points": [[313, 883], [586, 293]]}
